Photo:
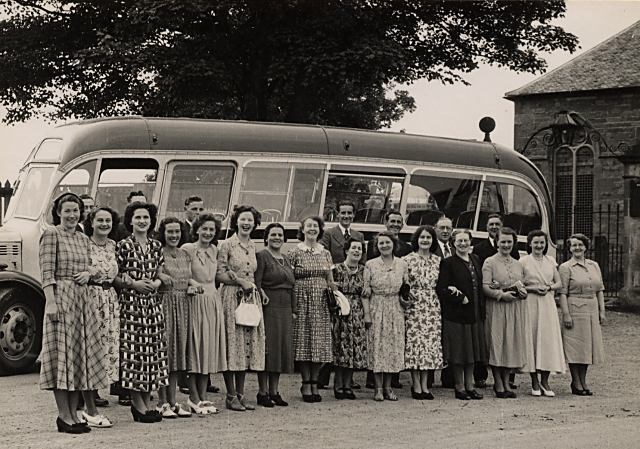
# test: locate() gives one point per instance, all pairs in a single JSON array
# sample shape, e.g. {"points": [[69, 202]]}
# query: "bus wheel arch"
{"points": [[21, 315]]}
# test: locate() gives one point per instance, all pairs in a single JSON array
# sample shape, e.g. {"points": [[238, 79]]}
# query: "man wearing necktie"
{"points": [[484, 250], [333, 240]]}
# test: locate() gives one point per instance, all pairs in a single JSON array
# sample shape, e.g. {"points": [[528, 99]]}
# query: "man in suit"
{"points": [[443, 228], [484, 250], [333, 240], [394, 222], [193, 207]]}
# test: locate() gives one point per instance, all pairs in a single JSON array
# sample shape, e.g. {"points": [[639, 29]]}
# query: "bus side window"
{"points": [[517, 205], [212, 183], [284, 192], [432, 195], [77, 181], [373, 196], [119, 177]]}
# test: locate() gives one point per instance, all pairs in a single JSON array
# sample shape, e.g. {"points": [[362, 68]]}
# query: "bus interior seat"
{"points": [[375, 215], [423, 217]]}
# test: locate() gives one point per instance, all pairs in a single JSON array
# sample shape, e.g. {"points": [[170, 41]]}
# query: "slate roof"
{"points": [[612, 64]]}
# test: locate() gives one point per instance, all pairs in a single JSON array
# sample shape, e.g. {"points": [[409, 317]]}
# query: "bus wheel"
{"points": [[20, 330]]}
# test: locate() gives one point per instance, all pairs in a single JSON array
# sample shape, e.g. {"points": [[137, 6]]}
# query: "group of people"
{"points": [[157, 304]]}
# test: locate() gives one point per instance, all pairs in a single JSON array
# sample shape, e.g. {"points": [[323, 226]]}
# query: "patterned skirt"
{"points": [[109, 313], [73, 357], [143, 346], [350, 337], [175, 308], [312, 329]]}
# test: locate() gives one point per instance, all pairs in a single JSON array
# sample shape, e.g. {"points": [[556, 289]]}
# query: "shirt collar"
{"points": [[235, 241], [573, 262], [343, 230]]}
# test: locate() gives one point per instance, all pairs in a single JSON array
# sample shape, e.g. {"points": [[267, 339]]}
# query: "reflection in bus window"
{"points": [[433, 195], [116, 183], [282, 191], [373, 196], [33, 190], [212, 183], [516, 204]]}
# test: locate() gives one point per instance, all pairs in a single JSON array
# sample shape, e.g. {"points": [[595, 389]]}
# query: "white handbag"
{"points": [[248, 312], [344, 308]]}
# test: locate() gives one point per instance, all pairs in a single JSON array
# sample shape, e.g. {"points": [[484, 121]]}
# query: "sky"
{"points": [[442, 110]]}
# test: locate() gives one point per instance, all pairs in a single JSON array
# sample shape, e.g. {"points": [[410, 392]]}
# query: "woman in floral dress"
{"points": [[236, 269], [349, 332], [143, 350], [423, 321], [104, 269], [312, 329], [383, 278]]}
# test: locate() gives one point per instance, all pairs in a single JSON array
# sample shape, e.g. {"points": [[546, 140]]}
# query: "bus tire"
{"points": [[21, 314]]}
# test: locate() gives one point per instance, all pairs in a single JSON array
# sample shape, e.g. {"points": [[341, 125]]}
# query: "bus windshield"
{"points": [[31, 191]]}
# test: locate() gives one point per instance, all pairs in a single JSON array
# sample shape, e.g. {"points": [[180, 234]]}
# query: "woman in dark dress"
{"points": [[459, 288], [274, 276]]}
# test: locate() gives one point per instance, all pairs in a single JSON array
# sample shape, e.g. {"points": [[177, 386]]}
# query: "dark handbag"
{"points": [[332, 302], [515, 290], [405, 291]]}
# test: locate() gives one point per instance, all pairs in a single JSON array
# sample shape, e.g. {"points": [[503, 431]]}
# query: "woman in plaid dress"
{"points": [[143, 347], [72, 357]]}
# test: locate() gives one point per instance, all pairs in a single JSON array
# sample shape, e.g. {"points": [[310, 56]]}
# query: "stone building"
{"points": [[573, 123]]}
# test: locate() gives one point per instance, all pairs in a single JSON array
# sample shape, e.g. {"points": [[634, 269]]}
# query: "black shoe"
{"points": [[500, 394], [481, 383], [511, 394], [588, 392], [142, 417], [338, 393], [473, 394], [63, 427], [264, 400], [101, 402], [415, 395], [212, 389], [513, 386], [154, 415], [462, 395], [356, 386], [125, 400], [186, 390], [277, 400], [577, 391], [427, 395], [348, 393], [306, 397]]}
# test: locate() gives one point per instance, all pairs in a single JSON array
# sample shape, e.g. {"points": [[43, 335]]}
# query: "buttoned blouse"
{"points": [[581, 278], [233, 255], [62, 254], [505, 272], [204, 262]]}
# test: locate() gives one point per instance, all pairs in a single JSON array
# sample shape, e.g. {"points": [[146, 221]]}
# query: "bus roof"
{"points": [[201, 135]]}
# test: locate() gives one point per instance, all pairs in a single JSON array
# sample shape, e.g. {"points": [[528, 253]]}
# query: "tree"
{"points": [[336, 62]]}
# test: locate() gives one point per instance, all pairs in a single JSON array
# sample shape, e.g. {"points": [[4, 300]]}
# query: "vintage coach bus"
{"points": [[286, 171]]}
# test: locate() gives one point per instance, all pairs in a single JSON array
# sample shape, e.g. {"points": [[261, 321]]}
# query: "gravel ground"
{"points": [[609, 419]]}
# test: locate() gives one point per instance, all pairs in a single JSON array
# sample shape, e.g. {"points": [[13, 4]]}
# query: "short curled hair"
{"points": [[192, 199], [115, 219], [537, 233], [65, 198], [350, 241], [237, 210], [268, 229], [162, 227], [315, 218], [388, 234], [460, 231], [135, 193], [391, 212], [495, 215], [505, 230], [583, 238], [418, 232], [202, 219], [347, 203], [132, 207]]}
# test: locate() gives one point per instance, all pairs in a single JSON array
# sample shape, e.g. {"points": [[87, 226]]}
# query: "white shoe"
{"points": [[180, 412], [99, 421], [197, 409], [166, 411], [536, 392], [547, 393], [209, 407]]}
